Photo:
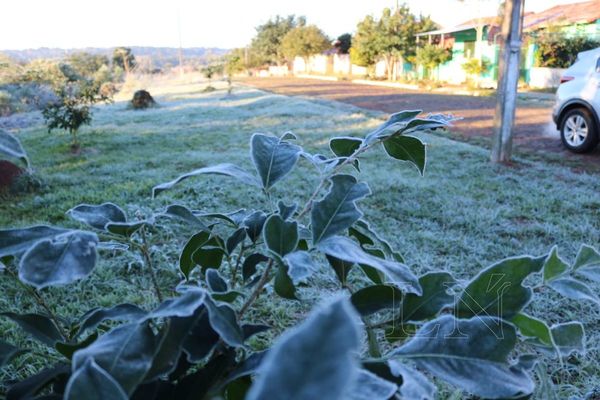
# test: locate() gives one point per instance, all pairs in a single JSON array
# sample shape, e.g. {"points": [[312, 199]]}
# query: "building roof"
{"points": [[564, 14]]}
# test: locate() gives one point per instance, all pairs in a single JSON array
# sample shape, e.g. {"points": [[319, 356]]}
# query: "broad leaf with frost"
{"points": [[337, 211], [221, 169], [471, 354], [273, 157], [60, 260], [316, 360]]}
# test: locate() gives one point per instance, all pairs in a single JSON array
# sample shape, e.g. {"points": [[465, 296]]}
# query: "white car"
{"points": [[577, 108]]}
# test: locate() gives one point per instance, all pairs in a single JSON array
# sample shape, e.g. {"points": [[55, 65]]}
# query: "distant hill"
{"points": [[160, 56]]}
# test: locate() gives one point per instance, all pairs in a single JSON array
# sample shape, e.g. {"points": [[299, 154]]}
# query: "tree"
{"points": [[343, 43], [391, 38], [87, 64], [365, 50], [474, 67], [430, 56], [124, 58], [265, 47], [506, 98], [304, 41]]}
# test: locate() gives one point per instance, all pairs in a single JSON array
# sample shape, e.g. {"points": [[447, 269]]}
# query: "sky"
{"points": [[203, 23]]}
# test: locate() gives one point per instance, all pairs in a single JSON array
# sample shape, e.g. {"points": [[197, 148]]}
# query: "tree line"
{"points": [[389, 37]]}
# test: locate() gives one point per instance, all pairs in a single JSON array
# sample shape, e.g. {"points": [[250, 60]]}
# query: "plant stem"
{"points": [[374, 350], [42, 303], [259, 287], [237, 264], [146, 254], [347, 161]]}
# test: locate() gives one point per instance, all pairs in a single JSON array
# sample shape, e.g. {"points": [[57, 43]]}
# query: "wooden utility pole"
{"points": [[508, 79]]}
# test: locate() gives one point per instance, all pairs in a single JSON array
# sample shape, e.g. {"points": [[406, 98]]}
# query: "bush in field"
{"points": [[72, 108], [560, 51], [373, 342], [142, 99]]}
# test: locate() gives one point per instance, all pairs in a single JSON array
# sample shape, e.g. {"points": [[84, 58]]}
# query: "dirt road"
{"points": [[534, 133]]}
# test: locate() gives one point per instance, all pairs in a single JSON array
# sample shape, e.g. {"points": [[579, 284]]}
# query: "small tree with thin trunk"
{"points": [[304, 41]]}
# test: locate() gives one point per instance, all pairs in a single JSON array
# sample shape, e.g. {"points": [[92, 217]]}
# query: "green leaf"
{"points": [[97, 216], [281, 237], [587, 263], [67, 349], [234, 218], [14, 242], [586, 257], [498, 290], [471, 354], [395, 123], [368, 386], [235, 239], [125, 229], [184, 214], [574, 289], [286, 211], [224, 321], [344, 146], [200, 337], [30, 386], [186, 261], [273, 158], [220, 169], [372, 299], [435, 297], [181, 306], [60, 260], [91, 382], [341, 268], [415, 385], [283, 284], [39, 326], [125, 352], [407, 148], [11, 146], [8, 352], [215, 281], [120, 312], [370, 240], [300, 266], [569, 337], [532, 327], [210, 255], [554, 265], [317, 359], [337, 211], [250, 263], [345, 249], [254, 224]]}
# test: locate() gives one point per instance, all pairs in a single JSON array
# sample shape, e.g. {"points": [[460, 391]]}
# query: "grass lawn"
{"points": [[463, 215]]}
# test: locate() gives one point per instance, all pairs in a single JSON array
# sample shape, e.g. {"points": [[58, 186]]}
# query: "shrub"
{"points": [[560, 51], [431, 56], [142, 99], [72, 108], [197, 342]]}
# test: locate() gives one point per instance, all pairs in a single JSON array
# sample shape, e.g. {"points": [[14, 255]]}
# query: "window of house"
{"points": [[469, 49]]}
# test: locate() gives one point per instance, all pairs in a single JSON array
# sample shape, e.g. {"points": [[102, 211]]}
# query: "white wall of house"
{"points": [[543, 78]]}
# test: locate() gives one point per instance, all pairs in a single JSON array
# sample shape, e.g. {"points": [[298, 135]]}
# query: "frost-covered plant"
{"points": [[386, 338]]}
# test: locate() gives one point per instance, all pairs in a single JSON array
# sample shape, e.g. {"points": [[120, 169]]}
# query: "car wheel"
{"points": [[578, 131]]}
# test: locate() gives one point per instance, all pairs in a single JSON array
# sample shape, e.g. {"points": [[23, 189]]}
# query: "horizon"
{"points": [[201, 29]]}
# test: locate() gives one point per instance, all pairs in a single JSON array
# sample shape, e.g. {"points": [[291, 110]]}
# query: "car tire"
{"points": [[578, 131]]}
